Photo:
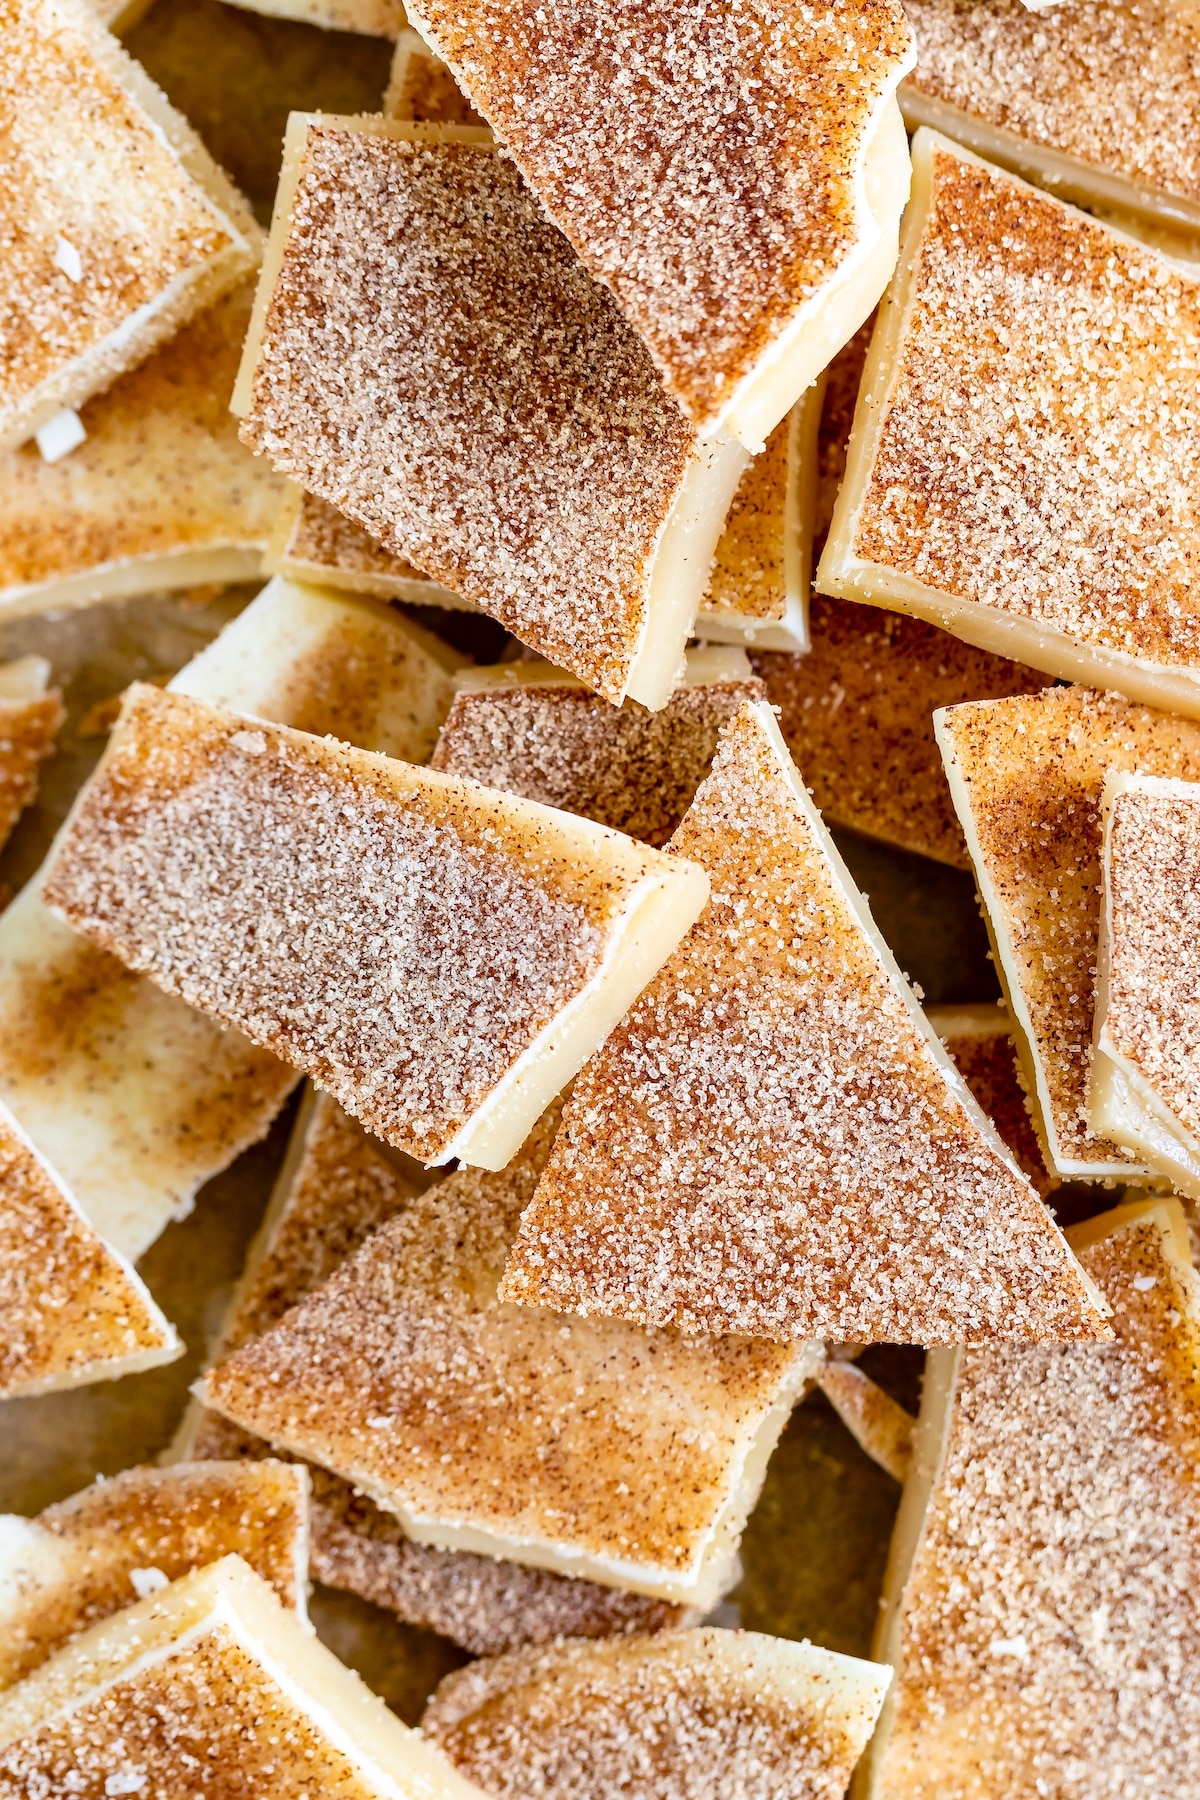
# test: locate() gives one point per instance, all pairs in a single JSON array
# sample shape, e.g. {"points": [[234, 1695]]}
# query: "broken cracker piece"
{"points": [[313, 542], [982, 1043], [1040, 1597], [337, 1187], [73, 1310], [1025, 461], [132, 1096], [441, 957], [593, 1448], [513, 440], [736, 177], [160, 496], [30, 718], [118, 226], [762, 569], [661, 1718], [1096, 101], [1026, 775], [422, 88], [1145, 1085], [773, 1141], [210, 1682], [856, 712], [113, 1543], [531, 730]]}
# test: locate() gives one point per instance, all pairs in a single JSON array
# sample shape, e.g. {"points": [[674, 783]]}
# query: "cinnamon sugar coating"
{"points": [[986, 1057], [96, 159], [1152, 1020], [437, 364], [680, 1717], [343, 1190], [161, 474], [768, 1143], [701, 158], [28, 729], [323, 539], [400, 937], [594, 1443], [749, 574], [209, 1708], [1050, 1636], [83, 1559], [423, 89], [72, 1310], [1115, 87], [1039, 441], [135, 1097], [1030, 772], [856, 711], [842, 381], [632, 769]]}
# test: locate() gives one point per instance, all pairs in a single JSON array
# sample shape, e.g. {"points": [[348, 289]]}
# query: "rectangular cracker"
{"points": [[211, 1674], [588, 1447], [709, 1711], [133, 1097], [160, 494], [441, 957], [735, 177], [1027, 775], [1025, 461], [513, 440], [119, 225], [336, 1188], [1047, 1551], [1096, 101]]}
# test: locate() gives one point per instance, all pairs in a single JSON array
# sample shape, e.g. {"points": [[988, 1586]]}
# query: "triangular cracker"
{"points": [[1041, 1594], [1027, 775], [118, 226], [704, 1712], [337, 1187], [73, 1311], [735, 177], [115, 1542], [210, 1688], [592, 1447], [132, 1096], [159, 495], [1145, 1086], [772, 1141]]}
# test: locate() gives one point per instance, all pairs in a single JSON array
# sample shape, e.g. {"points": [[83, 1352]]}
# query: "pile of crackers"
{"points": [[779, 470]]}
